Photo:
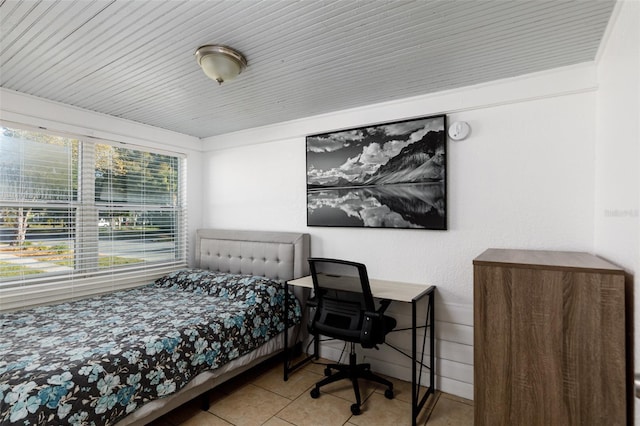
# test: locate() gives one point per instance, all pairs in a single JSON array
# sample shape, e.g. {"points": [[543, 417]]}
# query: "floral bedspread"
{"points": [[94, 361]]}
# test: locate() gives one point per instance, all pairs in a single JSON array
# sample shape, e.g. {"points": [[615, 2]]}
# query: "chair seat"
{"points": [[389, 324]]}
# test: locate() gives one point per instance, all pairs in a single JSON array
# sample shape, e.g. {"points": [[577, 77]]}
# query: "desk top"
{"points": [[392, 290]]}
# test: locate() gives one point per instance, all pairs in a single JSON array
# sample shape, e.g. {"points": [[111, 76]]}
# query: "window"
{"points": [[79, 217]]}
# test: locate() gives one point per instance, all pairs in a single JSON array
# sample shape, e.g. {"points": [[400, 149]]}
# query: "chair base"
{"points": [[353, 372]]}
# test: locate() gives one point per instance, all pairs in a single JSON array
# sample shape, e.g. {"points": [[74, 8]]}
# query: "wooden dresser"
{"points": [[549, 339]]}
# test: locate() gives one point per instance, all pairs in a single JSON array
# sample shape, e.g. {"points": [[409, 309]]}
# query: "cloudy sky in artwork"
{"points": [[351, 154]]}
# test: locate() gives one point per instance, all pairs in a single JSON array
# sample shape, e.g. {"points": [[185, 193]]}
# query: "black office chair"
{"points": [[345, 310]]}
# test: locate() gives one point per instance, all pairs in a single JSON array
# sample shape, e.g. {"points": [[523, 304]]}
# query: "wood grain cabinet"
{"points": [[549, 339]]}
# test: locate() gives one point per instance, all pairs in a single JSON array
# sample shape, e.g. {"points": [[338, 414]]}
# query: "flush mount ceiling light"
{"points": [[220, 63]]}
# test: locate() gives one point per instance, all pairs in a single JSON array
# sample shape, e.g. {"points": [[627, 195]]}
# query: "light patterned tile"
{"points": [[183, 412], [428, 407], [327, 410], [379, 411], [215, 395], [299, 382], [344, 389], [448, 412], [248, 376], [332, 408], [300, 356], [249, 405], [401, 389], [317, 366], [457, 398], [276, 421], [204, 418], [189, 414], [240, 381]]}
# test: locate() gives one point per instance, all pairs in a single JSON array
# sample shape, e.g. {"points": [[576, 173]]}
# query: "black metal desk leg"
{"points": [[414, 385], [417, 402], [432, 342]]}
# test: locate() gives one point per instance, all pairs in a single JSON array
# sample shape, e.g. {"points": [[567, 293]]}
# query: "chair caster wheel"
{"points": [[355, 409], [388, 394], [327, 371], [315, 393]]}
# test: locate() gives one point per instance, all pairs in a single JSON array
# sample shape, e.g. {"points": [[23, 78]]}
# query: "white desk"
{"points": [[395, 291], [381, 289]]}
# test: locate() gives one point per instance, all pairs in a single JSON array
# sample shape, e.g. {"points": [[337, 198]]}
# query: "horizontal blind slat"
{"points": [[98, 216], [41, 294]]}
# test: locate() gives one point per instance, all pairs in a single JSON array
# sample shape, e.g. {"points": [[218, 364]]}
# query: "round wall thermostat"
{"points": [[459, 130]]}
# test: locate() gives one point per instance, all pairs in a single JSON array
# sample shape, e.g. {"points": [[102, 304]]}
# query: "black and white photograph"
{"points": [[389, 175]]}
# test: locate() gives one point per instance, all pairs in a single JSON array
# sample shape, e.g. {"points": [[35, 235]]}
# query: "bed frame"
{"points": [[275, 255]]}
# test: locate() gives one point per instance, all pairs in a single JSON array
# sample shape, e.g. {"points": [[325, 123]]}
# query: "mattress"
{"points": [[98, 360]]}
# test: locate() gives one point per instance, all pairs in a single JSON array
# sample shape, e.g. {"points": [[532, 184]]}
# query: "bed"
{"points": [[129, 357]]}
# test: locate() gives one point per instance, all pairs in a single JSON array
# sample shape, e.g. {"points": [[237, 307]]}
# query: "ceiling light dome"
{"points": [[220, 63]]}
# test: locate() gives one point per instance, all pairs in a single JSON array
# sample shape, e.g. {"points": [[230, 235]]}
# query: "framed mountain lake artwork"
{"points": [[389, 175]]}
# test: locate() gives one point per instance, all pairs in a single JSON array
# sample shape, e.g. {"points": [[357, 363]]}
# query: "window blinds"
{"points": [[81, 217]]}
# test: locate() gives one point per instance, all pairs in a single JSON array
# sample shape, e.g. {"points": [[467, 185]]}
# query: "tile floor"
{"points": [[261, 397]]}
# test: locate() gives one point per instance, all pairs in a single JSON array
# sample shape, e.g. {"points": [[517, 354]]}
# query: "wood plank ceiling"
{"points": [[135, 59]]}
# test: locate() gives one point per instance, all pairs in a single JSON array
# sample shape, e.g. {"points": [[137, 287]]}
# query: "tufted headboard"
{"points": [[276, 255]]}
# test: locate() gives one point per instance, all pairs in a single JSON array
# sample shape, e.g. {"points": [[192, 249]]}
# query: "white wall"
{"points": [[617, 222], [30, 110], [551, 164], [523, 179], [618, 141]]}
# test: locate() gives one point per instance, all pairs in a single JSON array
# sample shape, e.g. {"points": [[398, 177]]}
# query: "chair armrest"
{"points": [[384, 304], [312, 305], [370, 332]]}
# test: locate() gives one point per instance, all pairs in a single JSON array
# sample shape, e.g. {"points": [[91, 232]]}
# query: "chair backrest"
{"points": [[343, 295]]}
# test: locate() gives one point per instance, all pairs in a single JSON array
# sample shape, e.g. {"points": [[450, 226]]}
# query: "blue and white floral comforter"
{"points": [[93, 361]]}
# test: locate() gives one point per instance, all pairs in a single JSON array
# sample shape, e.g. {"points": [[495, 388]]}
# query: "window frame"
{"points": [[87, 277]]}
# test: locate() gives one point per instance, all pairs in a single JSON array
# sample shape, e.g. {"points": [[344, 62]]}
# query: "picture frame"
{"points": [[388, 175]]}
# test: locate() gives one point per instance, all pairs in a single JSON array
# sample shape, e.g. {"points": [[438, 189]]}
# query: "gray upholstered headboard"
{"points": [[276, 255]]}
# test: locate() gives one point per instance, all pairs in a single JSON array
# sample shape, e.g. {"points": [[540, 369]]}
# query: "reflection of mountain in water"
{"points": [[420, 204], [394, 206]]}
